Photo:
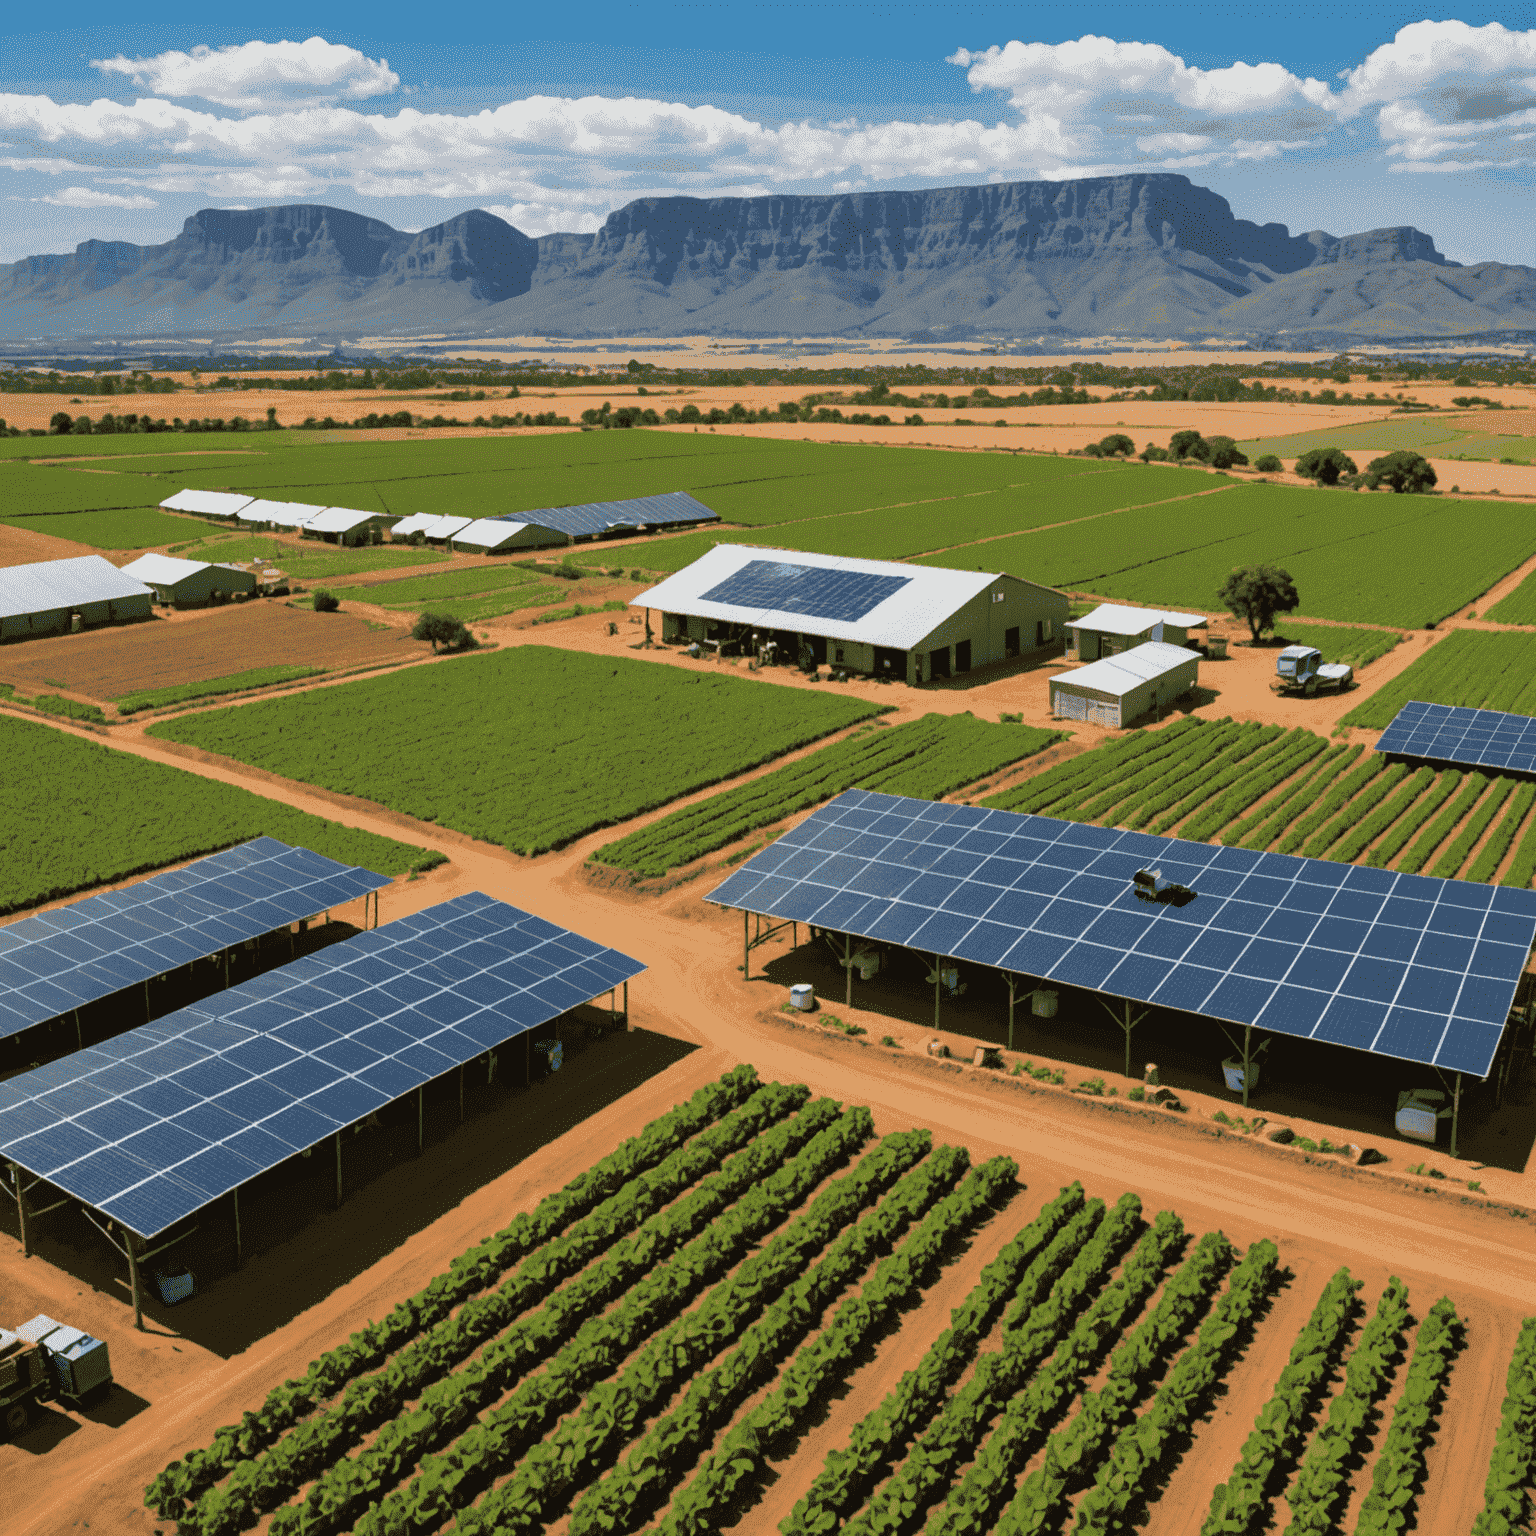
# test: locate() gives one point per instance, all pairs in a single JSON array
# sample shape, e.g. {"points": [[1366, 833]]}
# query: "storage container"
{"points": [[1043, 1004], [802, 996], [1232, 1070]]}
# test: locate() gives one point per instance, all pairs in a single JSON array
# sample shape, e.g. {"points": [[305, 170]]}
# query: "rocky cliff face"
{"points": [[1144, 255]]}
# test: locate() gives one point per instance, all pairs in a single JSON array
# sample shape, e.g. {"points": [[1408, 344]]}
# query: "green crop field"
{"points": [[1519, 607], [235, 682], [128, 528], [83, 815], [1478, 668], [1262, 787], [530, 748], [1423, 434], [925, 759]]}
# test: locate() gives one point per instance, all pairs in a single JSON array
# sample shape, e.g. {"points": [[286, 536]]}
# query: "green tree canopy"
{"points": [[442, 629], [1188, 444], [1325, 465], [1257, 593], [1407, 473], [1268, 464], [1223, 453], [1115, 443]]}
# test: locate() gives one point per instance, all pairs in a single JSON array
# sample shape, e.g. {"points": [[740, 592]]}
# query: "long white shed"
{"points": [[1119, 690]]}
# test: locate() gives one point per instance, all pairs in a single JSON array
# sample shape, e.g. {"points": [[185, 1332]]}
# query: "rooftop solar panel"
{"points": [[1398, 965], [819, 593], [158, 1122], [598, 517], [55, 961], [1480, 738]]}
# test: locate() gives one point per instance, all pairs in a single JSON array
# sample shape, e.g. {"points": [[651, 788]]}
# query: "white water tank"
{"points": [[802, 996]]}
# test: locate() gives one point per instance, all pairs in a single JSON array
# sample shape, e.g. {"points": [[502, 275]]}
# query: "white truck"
{"points": [[43, 1358], [1301, 669]]}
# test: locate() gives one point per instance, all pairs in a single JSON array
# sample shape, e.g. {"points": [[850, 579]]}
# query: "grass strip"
{"points": [[1343, 791], [1448, 865], [1402, 830], [236, 682], [1487, 862], [1361, 806], [1264, 826], [1472, 787]]}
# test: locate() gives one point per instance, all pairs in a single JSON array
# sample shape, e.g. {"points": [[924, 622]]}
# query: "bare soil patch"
{"points": [[192, 647], [23, 546]]}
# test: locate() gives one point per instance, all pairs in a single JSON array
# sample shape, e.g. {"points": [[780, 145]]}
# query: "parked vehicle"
{"points": [[1301, 669]]}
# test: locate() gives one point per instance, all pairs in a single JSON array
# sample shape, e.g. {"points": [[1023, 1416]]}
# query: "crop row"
{"points": [[1323, 1479], [472, 1271], [660, 1459], [1523, 866], [738, 1460], [1017, 1271], [973, 1504], [1400, 1467], [1448, 865], [1233, 767], [648, 1293], [1240, 1504], [423, 1370], [1297, 750], [1343, 791], [1506, 1507], [1481, 669], [1368, 827], [1089, 801], [1400, 833], [1196, 753], [1072, 1452], [924, 758], [1266, 826], [619, 720], [1046, 791], [1375, 788], [1123, 1481], [1491, 855]]}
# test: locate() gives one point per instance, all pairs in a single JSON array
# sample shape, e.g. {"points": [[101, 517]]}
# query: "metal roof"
{"points": [[1120, 675], [51, 584], [1114, 619], [207, 503], [1446, 733], [491, 532], [928, 595], [417, 522], [441, 527], [163, 570], [287, 514], [1399, 965], [340, 520], [596, 517]]}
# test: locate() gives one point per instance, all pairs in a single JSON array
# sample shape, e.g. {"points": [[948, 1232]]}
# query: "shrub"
{"points": [[1268, 464], [326, 602], [442, 629]]}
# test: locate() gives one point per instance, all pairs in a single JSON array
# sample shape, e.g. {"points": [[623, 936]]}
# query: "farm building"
{"points": [[613, 519], [433, 528], [494, 536], [45, 598], [279, 514], [188, 583], [347, 525], [1114, 691], [207, 503], [914, 622], [1112, 629]]}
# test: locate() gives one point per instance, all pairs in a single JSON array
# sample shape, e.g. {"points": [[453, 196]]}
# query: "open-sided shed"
{"points": [[220, 504], [188, 583], [347, 525], [1121, 689], [492, 535], [44, 598], [1111, 629]]}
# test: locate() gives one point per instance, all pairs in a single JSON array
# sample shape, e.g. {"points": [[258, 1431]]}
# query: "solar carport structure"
{"points": [[599, 519], [153, 1126], [1476, 738], [1405, 966], [53, 963]]}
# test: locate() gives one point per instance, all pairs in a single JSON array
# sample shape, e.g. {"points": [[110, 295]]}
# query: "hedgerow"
{"points": [[1018, 1271], [1323, 1479], [1400, 1467], [1298, 749], [1401, 831], [1343, 791], [739, 1458], [962, 1421], [1448, 865], [1122, 1482], [183, 1480], [1263, 827], [1506, 1507], [1491, 855], [1241, 1505], [1380, 786]]}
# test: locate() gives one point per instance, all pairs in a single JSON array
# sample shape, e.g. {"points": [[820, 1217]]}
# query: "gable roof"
{"points": [[1115, 619], [1120, 675], [46, 585]]}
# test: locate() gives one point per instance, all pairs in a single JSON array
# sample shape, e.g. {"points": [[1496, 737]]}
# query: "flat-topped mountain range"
{"points": [[1143, 255]]}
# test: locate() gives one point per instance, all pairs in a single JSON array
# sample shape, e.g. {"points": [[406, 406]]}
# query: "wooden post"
{"points": [[613, 1012], [79, 1037], [226, 967], [848, 966], [133, 1279], [461, 1093], [938, 982], [338, 1170], [1011, 1000], [421, 1119], [746, 948], [627, 1024], [1247, 1061], [21, 1211], [239, 1254], [146, 1000], [1455, 1114]]}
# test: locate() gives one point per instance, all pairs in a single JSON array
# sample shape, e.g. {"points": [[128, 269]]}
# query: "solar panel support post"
{"points": [[21, 1211], [1127, 1024], [1012, 999], [132, 1250], [848, 967], [338, 1170], [147, 1014], [461, 1093], [1455, 1113], [79, 1036], [421, 1120], [937, 983], [239, 1253], [627, 1024], [1247, 1060]]}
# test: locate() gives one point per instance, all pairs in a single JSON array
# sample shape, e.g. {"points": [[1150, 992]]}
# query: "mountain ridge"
{"points": [[1143, 255]]}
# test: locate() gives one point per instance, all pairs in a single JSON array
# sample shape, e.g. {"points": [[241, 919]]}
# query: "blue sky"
{"points": [[1315, 116]]}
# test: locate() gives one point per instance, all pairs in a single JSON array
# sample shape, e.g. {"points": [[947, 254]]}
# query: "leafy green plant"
{"points": [[1506, 1507]]}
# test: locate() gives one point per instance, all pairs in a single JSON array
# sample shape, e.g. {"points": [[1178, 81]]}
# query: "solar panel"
{"points": [[598, 517], [815, 591], [55, 961], [154, 1124], [1399, 965], [1480, 738]]}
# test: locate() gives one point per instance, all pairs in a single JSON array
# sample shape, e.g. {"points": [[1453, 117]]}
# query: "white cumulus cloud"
{"points": [[251, 76], [86, 197]]}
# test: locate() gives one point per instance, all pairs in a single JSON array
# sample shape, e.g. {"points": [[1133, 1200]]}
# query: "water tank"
{"points": [[802, 996]]}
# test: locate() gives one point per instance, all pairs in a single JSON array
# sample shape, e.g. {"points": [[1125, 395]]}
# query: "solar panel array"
{"points": [[153, 1125], [1481, 738], [599, 517], [1406, 966], [56, 961], [815, 591]]}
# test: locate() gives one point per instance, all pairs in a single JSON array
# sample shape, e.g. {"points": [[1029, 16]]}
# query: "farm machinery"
{"points": [[47, 1359], [1301, 669]]}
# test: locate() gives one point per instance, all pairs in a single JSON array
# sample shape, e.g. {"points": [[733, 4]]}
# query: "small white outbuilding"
{"points": [[1112, 629], [1119, 690], [188, 583]]}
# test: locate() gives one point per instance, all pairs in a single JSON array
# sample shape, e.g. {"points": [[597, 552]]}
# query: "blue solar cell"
{"points": [[820, 592], [105, 1173], [672, 509]]}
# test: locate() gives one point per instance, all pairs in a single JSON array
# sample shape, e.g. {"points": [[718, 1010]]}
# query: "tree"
{"points": [[1407, 473], [1268, 464], [1152, 454], [442, 629], [1188, 445], [1325, 465], [1257, 593], [1116, 442], [1223, 453], [1093, 451], [326, 602], [60, 422]]}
